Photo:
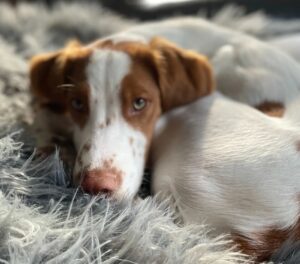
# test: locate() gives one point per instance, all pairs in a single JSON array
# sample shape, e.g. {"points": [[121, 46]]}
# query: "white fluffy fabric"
{"points": [[41, 219]]}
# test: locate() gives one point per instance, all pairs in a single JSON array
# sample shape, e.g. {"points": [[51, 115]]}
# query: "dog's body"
{"points": [[225, 162], [289, 43], [230, 166]]}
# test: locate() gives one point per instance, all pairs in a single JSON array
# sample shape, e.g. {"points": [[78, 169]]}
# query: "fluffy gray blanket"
{"points": [[44, 221]]}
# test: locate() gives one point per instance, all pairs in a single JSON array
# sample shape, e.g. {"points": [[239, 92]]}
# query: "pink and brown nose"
{"points": [[101, 182]]}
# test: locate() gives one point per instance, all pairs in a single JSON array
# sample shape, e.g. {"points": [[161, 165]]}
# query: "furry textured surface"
{"points": [[44, 221]]}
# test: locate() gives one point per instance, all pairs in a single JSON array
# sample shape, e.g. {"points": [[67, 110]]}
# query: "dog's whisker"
{"points": [[66, 87]]}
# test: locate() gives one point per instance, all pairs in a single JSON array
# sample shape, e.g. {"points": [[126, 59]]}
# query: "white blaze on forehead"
{"points": [[105, 72], [111, 139]]}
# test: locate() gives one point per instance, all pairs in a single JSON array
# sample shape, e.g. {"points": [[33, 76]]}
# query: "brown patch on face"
{"points": [[274, 109], [59, 78], [142, 87], [263, 244]]}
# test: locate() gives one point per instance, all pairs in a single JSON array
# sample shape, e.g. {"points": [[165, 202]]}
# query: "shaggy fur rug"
{"points": [[42, 220]]}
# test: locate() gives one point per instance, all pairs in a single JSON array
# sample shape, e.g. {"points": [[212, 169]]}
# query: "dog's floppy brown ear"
{"points": [[183, 75], [48, 72]]}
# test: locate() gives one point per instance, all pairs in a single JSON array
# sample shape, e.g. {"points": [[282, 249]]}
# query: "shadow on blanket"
{"points": [[43, 221]]}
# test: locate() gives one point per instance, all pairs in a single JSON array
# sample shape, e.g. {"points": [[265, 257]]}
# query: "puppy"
{"points": [[226, 163], [107, 96]]}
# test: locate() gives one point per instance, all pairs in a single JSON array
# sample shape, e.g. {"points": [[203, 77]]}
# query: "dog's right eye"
{"points": [[77, 104], [139, 104]]}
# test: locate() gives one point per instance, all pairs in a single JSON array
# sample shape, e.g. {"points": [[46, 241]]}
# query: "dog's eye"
{"points": [[139, 104], [77, 104]]}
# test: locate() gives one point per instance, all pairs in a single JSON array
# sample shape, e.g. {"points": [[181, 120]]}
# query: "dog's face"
{"points": [[114, 93]]}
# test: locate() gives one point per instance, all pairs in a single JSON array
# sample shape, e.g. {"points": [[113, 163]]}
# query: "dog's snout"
{"points": [[101, 182]]}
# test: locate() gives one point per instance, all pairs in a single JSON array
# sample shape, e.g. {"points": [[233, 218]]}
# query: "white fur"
{"points": [[229, 165], [226, 163], [111, 141], [288, 43]]}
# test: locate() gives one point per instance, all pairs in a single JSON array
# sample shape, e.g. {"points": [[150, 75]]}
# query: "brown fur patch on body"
{"points": [[274, 109], [261, 245]]}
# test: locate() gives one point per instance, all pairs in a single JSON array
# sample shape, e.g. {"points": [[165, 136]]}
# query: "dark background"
{"points": [[147, 9]]}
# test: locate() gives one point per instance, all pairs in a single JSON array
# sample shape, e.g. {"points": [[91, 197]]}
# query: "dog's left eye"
{"points": [[77, 104], [139, 104]]}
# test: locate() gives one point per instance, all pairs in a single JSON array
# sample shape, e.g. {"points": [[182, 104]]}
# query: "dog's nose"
{"points": [[100, 182]]}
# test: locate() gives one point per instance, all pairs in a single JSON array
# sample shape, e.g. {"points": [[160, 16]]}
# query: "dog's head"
{"points": [[114, 93]]}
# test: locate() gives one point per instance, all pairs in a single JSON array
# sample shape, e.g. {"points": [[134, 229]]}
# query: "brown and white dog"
{"points": [[225, 162], [109, 97]]}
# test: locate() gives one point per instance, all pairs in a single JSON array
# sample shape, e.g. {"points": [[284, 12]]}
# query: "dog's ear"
{"points": [[46, 74], [183, 76], [49, 72]]}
